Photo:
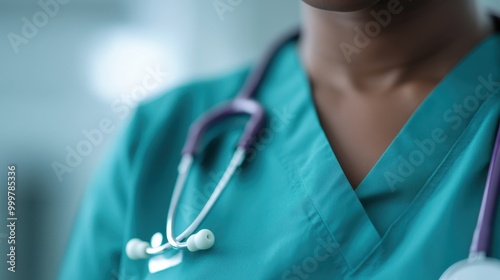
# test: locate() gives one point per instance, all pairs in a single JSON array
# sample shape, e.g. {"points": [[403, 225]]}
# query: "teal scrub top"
{"points": [[290, 213]]}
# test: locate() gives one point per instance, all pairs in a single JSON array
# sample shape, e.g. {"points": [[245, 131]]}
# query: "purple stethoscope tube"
{"points": [[243, 104], [484, 228]]}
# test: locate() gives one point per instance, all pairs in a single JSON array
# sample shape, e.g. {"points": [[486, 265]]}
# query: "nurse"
{"points": [[380, 125]]}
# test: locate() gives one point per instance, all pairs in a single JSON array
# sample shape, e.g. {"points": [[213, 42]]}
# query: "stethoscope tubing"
{"points": [[184, 168], [481, 241], [243, 103], [252, 84]]}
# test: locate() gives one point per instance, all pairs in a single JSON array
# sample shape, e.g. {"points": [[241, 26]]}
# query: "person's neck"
{"points": [[387, 44]]}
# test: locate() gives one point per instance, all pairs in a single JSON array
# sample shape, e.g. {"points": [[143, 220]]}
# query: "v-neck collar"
{"points": [[357, 228], [429, 135]]}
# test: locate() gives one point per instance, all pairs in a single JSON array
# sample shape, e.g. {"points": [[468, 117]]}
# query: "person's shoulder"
{"points": [[173, 112], [195, 97]]}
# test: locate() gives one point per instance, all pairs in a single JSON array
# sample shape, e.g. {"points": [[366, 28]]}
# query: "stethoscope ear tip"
{"points": [[203, 240], [136, 249]]}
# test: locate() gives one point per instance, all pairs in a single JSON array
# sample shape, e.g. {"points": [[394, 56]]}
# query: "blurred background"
{"points": [[68, 65]]}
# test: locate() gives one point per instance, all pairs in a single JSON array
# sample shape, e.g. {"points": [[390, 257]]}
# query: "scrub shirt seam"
{"points": [[299, 183], [319, 213]]}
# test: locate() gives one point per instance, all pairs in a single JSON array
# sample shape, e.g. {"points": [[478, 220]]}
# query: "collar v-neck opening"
{"points": [[358, 218]]}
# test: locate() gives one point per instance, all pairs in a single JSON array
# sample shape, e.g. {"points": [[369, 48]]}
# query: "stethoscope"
{"points": [[478, 265]]}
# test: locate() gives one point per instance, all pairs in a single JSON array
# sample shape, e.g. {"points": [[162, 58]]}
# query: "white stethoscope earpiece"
{"points": [[203, 240], [136, 249]]}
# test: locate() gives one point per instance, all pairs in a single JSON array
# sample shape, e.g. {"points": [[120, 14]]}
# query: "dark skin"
{"points": [[364, 103]]}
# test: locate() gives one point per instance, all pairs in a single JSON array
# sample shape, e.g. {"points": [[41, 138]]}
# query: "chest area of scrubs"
{"points": [[291, 214]]}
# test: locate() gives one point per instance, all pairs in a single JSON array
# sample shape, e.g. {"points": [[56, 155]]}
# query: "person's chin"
{"points": [[341, 5]]}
